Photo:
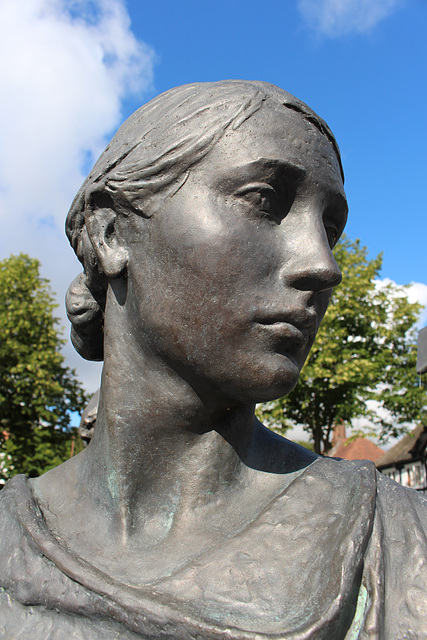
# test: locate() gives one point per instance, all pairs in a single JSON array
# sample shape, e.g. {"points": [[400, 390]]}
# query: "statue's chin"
{"points": [[272, 393], [274, 378]]}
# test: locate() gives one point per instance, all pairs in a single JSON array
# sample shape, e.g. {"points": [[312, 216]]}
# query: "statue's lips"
{"points": [[291, 330]]}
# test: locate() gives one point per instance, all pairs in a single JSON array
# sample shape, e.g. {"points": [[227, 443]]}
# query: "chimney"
{"points": [[338, 435]]}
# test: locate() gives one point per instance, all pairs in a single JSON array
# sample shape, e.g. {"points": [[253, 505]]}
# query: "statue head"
{"points": [[156, 153]]}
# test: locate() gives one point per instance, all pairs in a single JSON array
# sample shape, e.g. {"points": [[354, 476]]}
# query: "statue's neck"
{"points": [[158, 445], [170, 451]]}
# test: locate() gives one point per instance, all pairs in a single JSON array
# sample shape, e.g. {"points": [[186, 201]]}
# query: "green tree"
{"points": [[363, 361], [37, 392]]}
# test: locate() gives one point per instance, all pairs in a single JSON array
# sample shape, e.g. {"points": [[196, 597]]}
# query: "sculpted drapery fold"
{"points": [[275, 579]]}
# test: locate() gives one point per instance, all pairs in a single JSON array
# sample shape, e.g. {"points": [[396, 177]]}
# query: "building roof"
{"points": [[410, 447], [359, 449]]}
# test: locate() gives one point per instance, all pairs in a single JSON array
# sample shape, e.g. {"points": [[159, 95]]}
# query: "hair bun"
{"points": [[87, 318]]}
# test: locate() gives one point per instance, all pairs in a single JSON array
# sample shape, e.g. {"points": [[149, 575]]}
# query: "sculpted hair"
{"points": [[155, 148]]}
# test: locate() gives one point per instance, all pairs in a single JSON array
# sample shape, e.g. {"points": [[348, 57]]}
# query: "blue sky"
{"points": [[77, 68]]}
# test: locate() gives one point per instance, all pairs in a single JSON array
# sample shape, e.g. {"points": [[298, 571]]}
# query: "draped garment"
{"points": [[340, 554]]}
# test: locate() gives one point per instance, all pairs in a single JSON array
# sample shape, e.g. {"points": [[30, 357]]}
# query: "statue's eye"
{"points": [[262, 198], [334, 220]]}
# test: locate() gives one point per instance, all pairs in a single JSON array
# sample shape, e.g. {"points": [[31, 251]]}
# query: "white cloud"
{"points": [[416, 292], [66, 67], [341, 17]]}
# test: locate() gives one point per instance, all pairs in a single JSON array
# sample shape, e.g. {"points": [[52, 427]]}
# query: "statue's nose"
{"points": [[312, 266]]}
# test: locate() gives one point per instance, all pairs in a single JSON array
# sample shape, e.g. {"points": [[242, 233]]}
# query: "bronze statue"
{"points": [[205, 233]]}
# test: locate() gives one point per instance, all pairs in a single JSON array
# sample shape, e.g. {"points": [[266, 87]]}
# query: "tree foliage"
{"points": [[363, 361], [37, 392]]}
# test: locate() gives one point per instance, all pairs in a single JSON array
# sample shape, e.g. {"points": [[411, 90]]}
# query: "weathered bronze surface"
{"points": [[205, 232]]}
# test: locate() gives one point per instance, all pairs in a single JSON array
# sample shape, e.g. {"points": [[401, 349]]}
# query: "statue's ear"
{"points": [[101, 225]]}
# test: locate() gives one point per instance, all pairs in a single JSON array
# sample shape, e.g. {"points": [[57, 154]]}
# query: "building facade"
{"points": [[406, 461]]}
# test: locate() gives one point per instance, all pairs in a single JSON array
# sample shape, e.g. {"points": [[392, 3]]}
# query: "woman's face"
{"points": [[230, 277]]}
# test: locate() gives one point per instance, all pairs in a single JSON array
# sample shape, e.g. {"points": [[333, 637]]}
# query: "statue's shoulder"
{"points": [[17, 557], [20, 558], [14, 495], [40, 599], [341, 475], [392, 500], [403, 512]]}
